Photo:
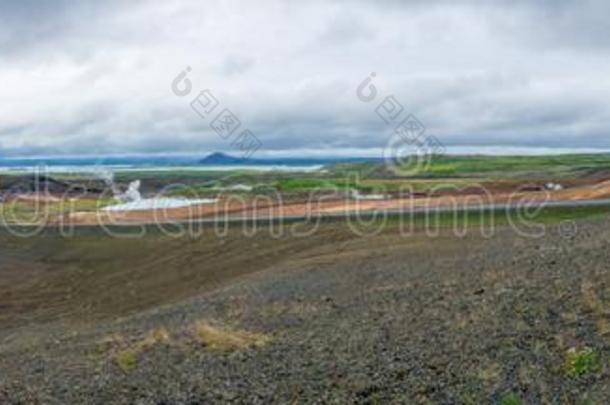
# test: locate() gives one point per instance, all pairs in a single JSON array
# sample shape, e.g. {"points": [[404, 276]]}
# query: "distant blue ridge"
{"points": [[217, 159]]}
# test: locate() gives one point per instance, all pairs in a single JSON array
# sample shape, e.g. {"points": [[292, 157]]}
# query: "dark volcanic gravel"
{"points": [[377, 319]]}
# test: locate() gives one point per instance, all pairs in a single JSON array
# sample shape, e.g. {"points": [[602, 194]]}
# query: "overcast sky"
{"points": [[95, 77]]}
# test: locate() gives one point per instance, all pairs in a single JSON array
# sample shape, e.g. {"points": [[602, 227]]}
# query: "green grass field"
{"points": [[509, 166]]}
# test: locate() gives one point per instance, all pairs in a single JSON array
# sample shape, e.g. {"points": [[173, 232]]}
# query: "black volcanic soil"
{"points": [[346, 318], [14, 184]]}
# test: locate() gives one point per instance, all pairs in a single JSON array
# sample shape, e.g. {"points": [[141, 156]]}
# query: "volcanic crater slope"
{"points": [[334, 317]]}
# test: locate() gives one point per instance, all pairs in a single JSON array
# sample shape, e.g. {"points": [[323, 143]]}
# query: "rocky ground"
{"points": [[330, 318]]}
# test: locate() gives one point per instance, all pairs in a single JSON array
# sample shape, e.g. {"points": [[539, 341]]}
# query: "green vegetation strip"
{"points": [[503, 166]]}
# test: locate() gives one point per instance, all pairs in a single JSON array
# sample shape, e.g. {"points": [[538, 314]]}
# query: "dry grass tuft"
{"points": [[125, 352], [224, 339], [491, 373], [154, 337], [597, 308]]}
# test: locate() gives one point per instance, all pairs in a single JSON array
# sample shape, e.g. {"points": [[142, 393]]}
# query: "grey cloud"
{"points": [[577, 25], [30, 24], [344, 28], [235, 65], [82, 77]]}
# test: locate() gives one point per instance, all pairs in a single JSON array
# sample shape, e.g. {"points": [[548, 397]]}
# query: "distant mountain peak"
{"points": [[215, 155], [221, 158]]}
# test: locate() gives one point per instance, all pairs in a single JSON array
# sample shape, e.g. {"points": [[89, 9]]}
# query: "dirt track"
{"points": [[349, 319]]}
